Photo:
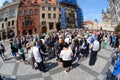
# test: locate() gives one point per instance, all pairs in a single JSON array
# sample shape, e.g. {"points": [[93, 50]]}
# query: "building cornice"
{"points": [[9, 5]]}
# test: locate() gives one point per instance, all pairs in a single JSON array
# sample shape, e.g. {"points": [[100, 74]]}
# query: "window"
{"points": [[59, 9], [43, 22], [36, 11], [27, 23], [12, 13], [54, 15], [20, 13], [25, 12], [23, 24], [1, 16], [12, 22], [35, 30], [43, 15], [9, 23], [51, 24], [2, 25], [30, 11], [43, 8], [49, 8], [49, 15], [31, 23], [54, 8]]}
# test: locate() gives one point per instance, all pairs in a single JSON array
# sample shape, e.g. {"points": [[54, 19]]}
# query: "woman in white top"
{"points": [[31, 58], [66, 54]]}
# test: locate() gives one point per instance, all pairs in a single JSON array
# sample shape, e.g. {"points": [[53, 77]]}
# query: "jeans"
{"points": [[78, 55], [1, 55], [41, 66], [93, 57]]}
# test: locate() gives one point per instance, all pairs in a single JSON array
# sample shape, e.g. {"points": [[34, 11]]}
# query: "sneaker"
{"points": [[65, 71]]}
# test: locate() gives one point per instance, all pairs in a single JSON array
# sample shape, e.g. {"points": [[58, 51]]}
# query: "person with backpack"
{"points": [[22, 53], [37, 57], [41, 49], [13, 50], [85, 48], [95, 47]]}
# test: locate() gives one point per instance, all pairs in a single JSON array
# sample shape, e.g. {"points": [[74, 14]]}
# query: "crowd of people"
{"points": [[66, 46]]}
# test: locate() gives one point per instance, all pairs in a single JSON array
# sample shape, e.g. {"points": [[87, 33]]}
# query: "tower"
{"points": [[103, 14], [108, 14]]}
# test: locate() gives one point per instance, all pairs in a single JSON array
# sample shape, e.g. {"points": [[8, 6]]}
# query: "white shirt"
{"points": [[66, 55], [105, 40], [95, 45], [67, 40], [30, 53], [43, 41], [36, 54]]}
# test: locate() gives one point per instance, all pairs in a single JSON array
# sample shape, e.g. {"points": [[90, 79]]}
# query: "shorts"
{"points": [[67, 64]]}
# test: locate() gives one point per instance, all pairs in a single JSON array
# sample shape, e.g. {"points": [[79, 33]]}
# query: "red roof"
{"points": [[88, 22]]}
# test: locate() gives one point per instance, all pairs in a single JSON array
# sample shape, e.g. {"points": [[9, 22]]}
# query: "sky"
{"points": [[91, 8]]}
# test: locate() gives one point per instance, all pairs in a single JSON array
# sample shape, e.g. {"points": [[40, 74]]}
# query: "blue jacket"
{"points": [[116, 68]]}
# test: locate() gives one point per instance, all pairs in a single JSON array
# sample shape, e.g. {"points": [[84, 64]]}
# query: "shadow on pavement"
{"points": [[51, 65], [9, 79], [75, 65], [108, 74], [9, 59]]}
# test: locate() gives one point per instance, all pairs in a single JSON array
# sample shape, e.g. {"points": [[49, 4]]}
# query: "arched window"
{"points": [[27, 22]]}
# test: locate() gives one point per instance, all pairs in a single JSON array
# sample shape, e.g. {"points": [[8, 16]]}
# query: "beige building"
{"points": [[107, 20], [88, 24], [49, 15], [92, 25], [115, 11], [8, 19]]}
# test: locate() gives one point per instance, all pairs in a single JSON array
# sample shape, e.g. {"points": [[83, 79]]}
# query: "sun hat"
{"points": [[27, 45]]}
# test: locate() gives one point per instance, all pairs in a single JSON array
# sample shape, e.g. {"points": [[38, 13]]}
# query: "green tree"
{"points": [[117, 27]]}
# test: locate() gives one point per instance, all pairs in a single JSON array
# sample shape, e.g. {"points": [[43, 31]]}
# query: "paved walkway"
{"points": [[17, 70]]}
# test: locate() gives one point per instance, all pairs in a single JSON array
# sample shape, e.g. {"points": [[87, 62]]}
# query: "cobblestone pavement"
{"points": [[17, 70]]}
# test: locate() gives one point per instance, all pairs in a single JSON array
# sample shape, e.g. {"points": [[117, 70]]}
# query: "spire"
{"points": [[103, 12], [6, 2], [108, 10], [95, 20]]}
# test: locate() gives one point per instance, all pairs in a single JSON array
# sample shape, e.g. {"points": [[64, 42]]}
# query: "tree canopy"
{"points": [[117, 27]]}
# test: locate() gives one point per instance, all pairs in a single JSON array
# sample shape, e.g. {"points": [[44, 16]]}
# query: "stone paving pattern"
{"points": [[17, 70]]}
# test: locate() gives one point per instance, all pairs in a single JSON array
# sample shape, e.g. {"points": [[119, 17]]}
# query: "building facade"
{"points": [[115, 11], [106, 18], [8, 19], [88, 24], [37, 16], [26, 17], [49, 15], [71, 15]]}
